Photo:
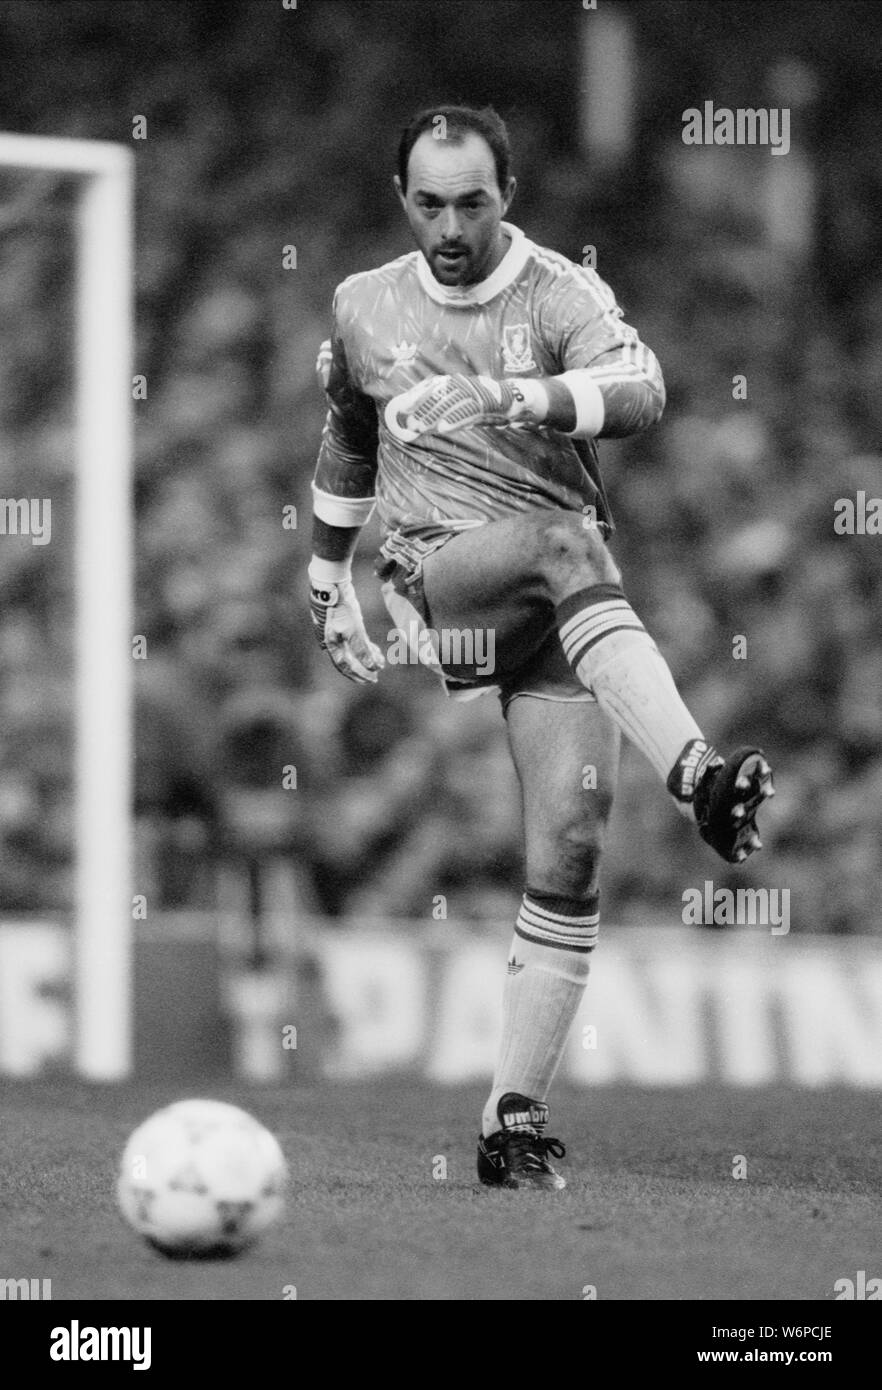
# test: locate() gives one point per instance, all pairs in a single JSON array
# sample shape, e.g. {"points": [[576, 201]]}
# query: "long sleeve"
{"points": [[587, 327], [345, 474]]}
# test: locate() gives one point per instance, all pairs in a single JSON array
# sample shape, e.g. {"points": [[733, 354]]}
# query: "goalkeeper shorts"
{"points": [[544, 672]]}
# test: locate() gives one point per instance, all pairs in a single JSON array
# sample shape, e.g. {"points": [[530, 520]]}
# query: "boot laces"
{"points": [[531, 1150]]}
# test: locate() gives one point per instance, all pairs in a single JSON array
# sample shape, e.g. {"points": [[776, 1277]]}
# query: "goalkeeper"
{"points": [[467, 384]]}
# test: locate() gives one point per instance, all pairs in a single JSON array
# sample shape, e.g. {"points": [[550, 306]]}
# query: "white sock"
{"points": [[547, 973], [613, 655]]}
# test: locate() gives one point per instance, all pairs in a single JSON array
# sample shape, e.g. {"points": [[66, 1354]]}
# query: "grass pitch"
{"points": [[652, 1210]]}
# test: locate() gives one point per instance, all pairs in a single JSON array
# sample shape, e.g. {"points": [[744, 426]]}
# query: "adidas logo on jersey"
{"points": [[404, 352]]}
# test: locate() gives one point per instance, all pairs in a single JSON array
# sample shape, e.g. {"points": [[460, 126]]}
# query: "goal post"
{"points": [[102, 953]]}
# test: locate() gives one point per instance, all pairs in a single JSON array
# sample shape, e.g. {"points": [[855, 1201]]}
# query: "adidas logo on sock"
{"points": [[514, 966]]}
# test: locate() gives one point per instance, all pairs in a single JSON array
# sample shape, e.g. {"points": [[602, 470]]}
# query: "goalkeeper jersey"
{"points": [[537, 314]]}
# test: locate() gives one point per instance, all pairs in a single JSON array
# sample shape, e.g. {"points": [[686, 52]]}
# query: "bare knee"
{"points": [[568, 862], [571, 555]]}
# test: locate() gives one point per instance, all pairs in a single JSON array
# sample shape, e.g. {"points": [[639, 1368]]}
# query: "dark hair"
{"points": [[459, 121]]}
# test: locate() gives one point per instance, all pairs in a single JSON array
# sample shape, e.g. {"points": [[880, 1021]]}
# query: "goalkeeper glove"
{"points": [[443, 404], [339, 626]]}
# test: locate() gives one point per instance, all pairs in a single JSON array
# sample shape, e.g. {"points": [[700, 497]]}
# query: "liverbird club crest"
{"points": [[517, 351]]}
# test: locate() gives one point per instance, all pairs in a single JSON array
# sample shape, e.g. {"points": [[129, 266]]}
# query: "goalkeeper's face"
{"points": [[455, 206]]}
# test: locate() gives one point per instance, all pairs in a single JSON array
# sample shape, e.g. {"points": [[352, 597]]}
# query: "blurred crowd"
{"points": [[269, 128]]}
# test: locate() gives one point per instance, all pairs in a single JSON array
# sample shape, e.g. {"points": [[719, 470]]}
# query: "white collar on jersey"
{"points": [[508, 269]]}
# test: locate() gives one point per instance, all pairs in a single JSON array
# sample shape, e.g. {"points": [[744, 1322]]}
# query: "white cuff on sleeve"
{"points": [[323, 572], [590, 409], [341, 511]]}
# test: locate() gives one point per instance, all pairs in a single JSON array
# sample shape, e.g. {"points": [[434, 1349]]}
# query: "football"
{"points": [[201, 1178]]}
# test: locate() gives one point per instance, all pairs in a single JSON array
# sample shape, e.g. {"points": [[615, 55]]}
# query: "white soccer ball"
{"points": [[201, 1178]]}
